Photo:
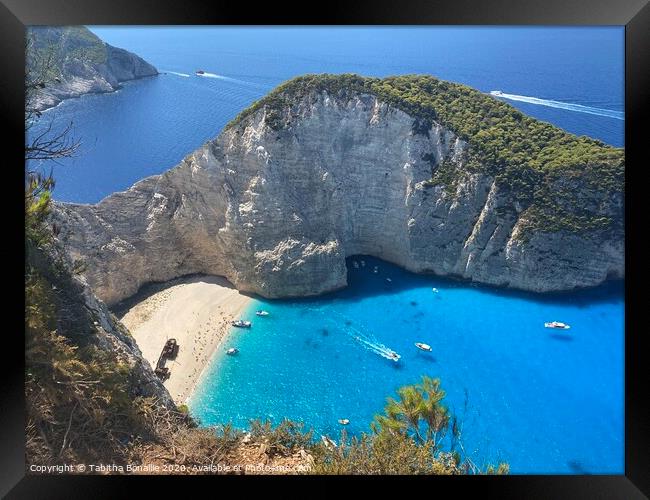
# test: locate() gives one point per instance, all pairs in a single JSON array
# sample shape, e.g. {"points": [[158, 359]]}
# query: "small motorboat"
{"points": [[496, 92], [262, 313], [344, 421], [557, 324], [241, 324], [200, 72], [363, 263], [394, 356], [375, 270], [424, 347], [434, 290], [355, 264], [232, 351], [389, 280]]}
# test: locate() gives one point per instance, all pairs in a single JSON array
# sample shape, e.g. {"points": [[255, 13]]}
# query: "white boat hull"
{"points": [[557, 327]]}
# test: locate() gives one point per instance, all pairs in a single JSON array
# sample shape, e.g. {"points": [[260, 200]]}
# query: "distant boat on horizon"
{"points": [[200, 72]]}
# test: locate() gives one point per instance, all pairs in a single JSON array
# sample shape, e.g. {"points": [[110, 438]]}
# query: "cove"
{"points": [[545, 401]]}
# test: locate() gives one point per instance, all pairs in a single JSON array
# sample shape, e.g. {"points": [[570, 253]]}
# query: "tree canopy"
{"points": [[541, 166]]}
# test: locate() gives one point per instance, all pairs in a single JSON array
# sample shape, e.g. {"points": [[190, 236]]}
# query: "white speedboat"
{"points": [[262, 313], [389, 280], [375, 270], [241, 324], [496, 92], [557, 324], [355, 264], [232, 350], [394, 356], [434, 290], [363, 263], [344, 421], [424, 347]]}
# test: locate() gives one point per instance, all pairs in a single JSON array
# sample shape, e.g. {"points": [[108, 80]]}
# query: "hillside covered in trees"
{"points": [[74, 61], [540, 164]]}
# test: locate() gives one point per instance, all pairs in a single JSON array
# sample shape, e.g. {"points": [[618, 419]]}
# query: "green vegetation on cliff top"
{"points": [[63, 45], [562, 181], [88, 400]]}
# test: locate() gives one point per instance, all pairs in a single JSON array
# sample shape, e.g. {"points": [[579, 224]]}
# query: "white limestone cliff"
{"points": [[277, 211]]}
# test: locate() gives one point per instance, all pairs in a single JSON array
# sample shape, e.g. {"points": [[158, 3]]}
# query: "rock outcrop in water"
{"points": [[328, 167], [77, 62]]}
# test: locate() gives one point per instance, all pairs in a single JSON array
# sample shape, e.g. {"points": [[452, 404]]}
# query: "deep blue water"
{"points": [[150, 125], [545, 401]]}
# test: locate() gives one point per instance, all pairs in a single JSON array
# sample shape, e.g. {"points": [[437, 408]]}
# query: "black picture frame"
{"points": [[633, 14]]}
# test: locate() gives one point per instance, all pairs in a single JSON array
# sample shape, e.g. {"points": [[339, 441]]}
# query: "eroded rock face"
{"points": [[96, 325], [81, 64], [277, 212]]}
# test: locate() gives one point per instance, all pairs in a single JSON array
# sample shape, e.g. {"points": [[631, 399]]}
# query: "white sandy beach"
{"points": [[196, 312]]}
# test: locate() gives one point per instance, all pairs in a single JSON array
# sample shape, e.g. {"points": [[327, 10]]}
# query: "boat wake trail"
{"points": [[229, 79], [185, 75], [214, 75], [376, 347], [619, 115], [366, 340]]}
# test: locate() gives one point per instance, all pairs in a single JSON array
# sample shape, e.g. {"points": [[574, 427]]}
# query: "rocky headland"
{"points": [[73, 61], [433, 176]]}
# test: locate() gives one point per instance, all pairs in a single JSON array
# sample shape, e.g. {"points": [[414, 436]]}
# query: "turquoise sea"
{"points": [[542, 400]]}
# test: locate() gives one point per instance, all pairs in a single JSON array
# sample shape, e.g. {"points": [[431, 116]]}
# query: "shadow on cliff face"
{"points": [[149, 289], [390, 279]]}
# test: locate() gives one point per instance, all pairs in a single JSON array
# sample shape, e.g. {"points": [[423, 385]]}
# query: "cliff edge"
{"points": [[77, 62], [433, 176]]}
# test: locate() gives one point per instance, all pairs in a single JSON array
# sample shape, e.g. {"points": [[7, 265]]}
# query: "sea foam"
{"points": [[619, 115]]}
